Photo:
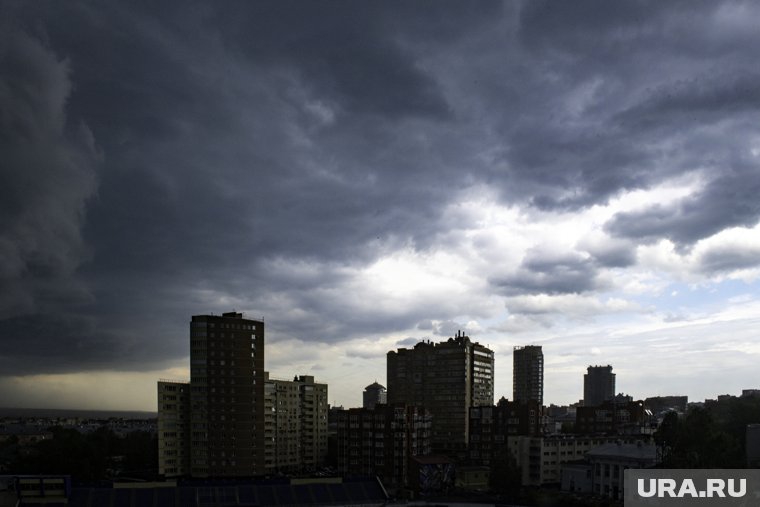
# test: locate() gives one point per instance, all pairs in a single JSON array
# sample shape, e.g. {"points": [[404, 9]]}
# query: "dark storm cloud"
{"points": [[48, 166], [729, 200], [255, 155], [618, 97], [407, 342], [540, 273]]}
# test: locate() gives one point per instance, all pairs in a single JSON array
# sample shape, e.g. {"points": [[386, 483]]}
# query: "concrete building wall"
{"points": [[227, 396], [528, 374], [173, 428], [296, 424], [598, 385], [447, 378], [541, 458]]}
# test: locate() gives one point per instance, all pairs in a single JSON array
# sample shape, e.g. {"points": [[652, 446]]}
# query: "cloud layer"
{"points": [[386, 172]]}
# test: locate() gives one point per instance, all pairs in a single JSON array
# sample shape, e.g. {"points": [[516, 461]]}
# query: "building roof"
{"points": [[374, 387], [638, 451]]}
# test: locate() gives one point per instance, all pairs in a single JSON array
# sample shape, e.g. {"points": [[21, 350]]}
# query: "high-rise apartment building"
{"points": [[226, 396], [598, 385], [446, 378], [528, 374], [313, 397], [374, 394], [295, 424], [282, 425]]}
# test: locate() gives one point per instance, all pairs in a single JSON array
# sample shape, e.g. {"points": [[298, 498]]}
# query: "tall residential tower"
{"points": [[528, 374], [598, 385], [226, 396]]}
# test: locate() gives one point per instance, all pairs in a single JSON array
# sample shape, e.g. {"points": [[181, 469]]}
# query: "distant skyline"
{"points": [[582, 176]]}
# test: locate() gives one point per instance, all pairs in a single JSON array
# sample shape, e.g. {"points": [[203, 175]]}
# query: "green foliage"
{"points": [[710, 437]]}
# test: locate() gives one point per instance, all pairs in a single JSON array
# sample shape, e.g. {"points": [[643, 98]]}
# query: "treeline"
{"points": [[709, 437], [93, 456]]}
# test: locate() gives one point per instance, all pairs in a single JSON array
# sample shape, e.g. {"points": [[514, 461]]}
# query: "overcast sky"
{"points": [[583, 176]]}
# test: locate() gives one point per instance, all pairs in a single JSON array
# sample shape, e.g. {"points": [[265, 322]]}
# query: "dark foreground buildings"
{"points": [[214, 426], [447, 379]]}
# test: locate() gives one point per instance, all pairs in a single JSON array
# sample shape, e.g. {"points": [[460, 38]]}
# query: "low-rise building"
{"points": [[540, 459], [608, 463], [612, 418]]}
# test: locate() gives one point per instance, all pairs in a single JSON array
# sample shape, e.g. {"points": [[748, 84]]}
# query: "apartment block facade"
{"points": [[295, 424], [598, 385], [446, 378], [528, 374], [382, 440], [173, 428], [541, 458], [491, 426]]}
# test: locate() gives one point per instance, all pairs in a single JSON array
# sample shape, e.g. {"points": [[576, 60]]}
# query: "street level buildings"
{"points": [[541, 459], [446, 378]]}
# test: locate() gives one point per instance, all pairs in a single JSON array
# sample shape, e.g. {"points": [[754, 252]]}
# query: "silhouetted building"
{"points": [[282, 427], [598, 385], [611, 418], [332, 435], [753, 445], [295, 424], [227, 396], [313, 398], [447, 378], [661, 404], [374, 394], [382, 440], [528, 374], [173, 428], [490, 427]]}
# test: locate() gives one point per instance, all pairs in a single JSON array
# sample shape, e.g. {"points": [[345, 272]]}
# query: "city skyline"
{"points": [[577, 176]]}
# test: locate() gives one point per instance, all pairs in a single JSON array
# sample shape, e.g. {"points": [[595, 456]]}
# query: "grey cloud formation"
{"points": [[730, 200], [550, 274], [49, 173], [167, 160]]}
